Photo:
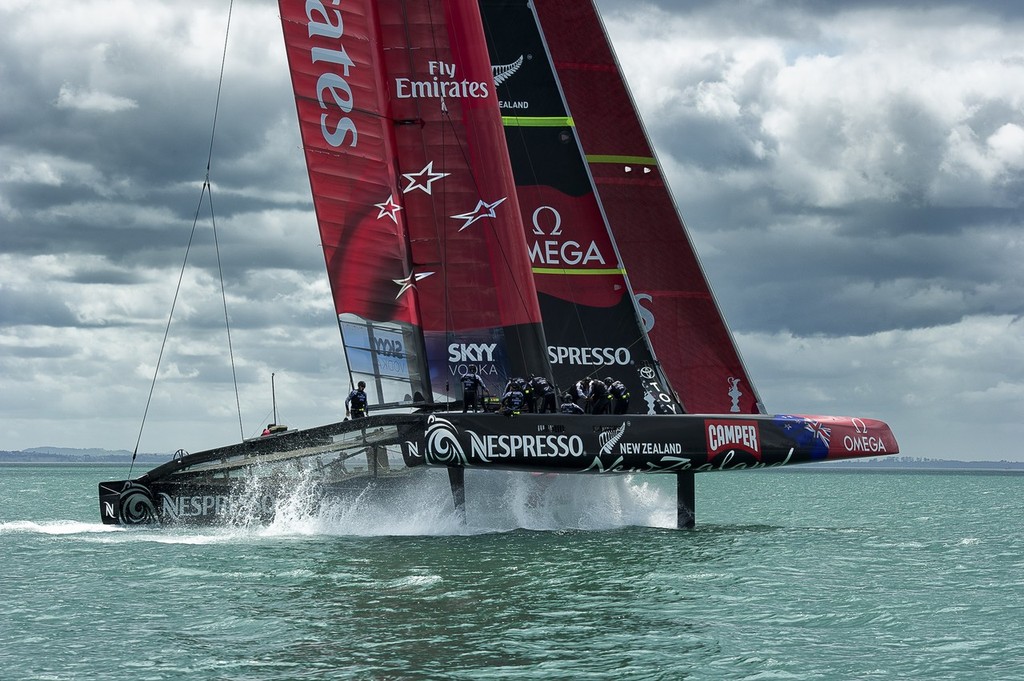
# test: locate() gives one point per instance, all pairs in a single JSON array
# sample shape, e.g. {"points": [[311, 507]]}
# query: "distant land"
{"points": [[912, 462], [73, 455]]}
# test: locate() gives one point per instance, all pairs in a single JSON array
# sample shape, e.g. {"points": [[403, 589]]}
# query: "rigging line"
{"points": [[220, 86], [213, 219], [188, 247], [449, 314], [167, 328], [227, 322]]}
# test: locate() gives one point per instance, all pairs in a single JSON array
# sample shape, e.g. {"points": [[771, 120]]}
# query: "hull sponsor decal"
{"points": [[725, 436]]}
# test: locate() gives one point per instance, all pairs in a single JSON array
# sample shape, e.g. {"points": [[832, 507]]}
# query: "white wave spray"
{"points": [[496, 501]]}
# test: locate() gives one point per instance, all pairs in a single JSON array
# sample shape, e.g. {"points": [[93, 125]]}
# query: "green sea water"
{"points": [[789, 574]]}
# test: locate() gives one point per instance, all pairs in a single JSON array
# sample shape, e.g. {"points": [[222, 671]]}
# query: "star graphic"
{"points": [[389, 208], [482, 210], [423, 179], [409, 282]]}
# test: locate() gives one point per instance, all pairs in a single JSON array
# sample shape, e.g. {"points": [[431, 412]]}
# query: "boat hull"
{"points": [[645, 444], [245, 482]]}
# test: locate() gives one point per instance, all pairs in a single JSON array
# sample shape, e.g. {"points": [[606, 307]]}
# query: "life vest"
{"points": [[357, 398], [513, 400], [541, 386]]}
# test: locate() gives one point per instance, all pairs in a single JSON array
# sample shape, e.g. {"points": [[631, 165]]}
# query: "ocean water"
{"points": [[789, 574]]}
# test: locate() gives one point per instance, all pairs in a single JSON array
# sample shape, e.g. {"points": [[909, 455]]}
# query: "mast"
{"points": [[273, 395]]}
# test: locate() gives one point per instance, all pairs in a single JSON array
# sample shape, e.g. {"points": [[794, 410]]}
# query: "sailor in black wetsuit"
{"points": [[599, 401], [471, 384], [568, 406], [355, 403], [514, 399], [514, 382], [519, 384], [619, 393], [543, 392], [581, 393]]}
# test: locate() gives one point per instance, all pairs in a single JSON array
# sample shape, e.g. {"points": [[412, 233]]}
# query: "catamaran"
{"points": [[488, 201]]}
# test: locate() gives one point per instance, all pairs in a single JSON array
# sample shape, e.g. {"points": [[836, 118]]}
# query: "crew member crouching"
{"points": [[514, 399]]}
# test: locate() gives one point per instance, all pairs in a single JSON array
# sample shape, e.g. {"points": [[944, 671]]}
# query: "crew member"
{"points": [[543, 392], [568, 406], [355, 403], [514, 399], [599, 401], [471, 384], [518, 383], [582, 393], [619, 393]]}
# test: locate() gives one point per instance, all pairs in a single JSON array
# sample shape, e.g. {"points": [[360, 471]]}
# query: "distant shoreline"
{"points": [[113, 459], [127, 462], [899, 463], [994, 468]]}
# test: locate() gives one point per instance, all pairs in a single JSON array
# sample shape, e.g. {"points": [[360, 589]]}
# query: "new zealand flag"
{"points": [[806, 434]]}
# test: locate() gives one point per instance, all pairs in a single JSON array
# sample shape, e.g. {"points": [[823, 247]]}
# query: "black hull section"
{"points": [[193, 503], [631, 443], [245, 481]]}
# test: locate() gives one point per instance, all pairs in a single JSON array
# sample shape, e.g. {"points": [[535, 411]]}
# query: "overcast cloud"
{"points": [[851, 174]]}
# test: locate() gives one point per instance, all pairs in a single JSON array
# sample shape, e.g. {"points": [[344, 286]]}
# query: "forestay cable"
{"points": [[181, 275]]}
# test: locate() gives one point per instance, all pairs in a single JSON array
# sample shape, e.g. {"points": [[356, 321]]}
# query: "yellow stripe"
{"points": [[537, 121], [609, 158], [557, 270]]}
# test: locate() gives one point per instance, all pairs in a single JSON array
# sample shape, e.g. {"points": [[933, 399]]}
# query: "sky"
{"points": [[851, 174]]}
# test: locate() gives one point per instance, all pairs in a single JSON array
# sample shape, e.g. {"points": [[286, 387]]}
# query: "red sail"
{"points": [[457, 182], [689, 335], [414, 193], [335, 59]]}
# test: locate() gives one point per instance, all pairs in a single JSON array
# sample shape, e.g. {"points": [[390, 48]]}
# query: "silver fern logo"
{"points": [[610, 438], [505, 71], [501, 73]]}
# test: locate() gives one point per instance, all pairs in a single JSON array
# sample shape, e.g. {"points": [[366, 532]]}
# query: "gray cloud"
{"points": [[850, 173]]}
